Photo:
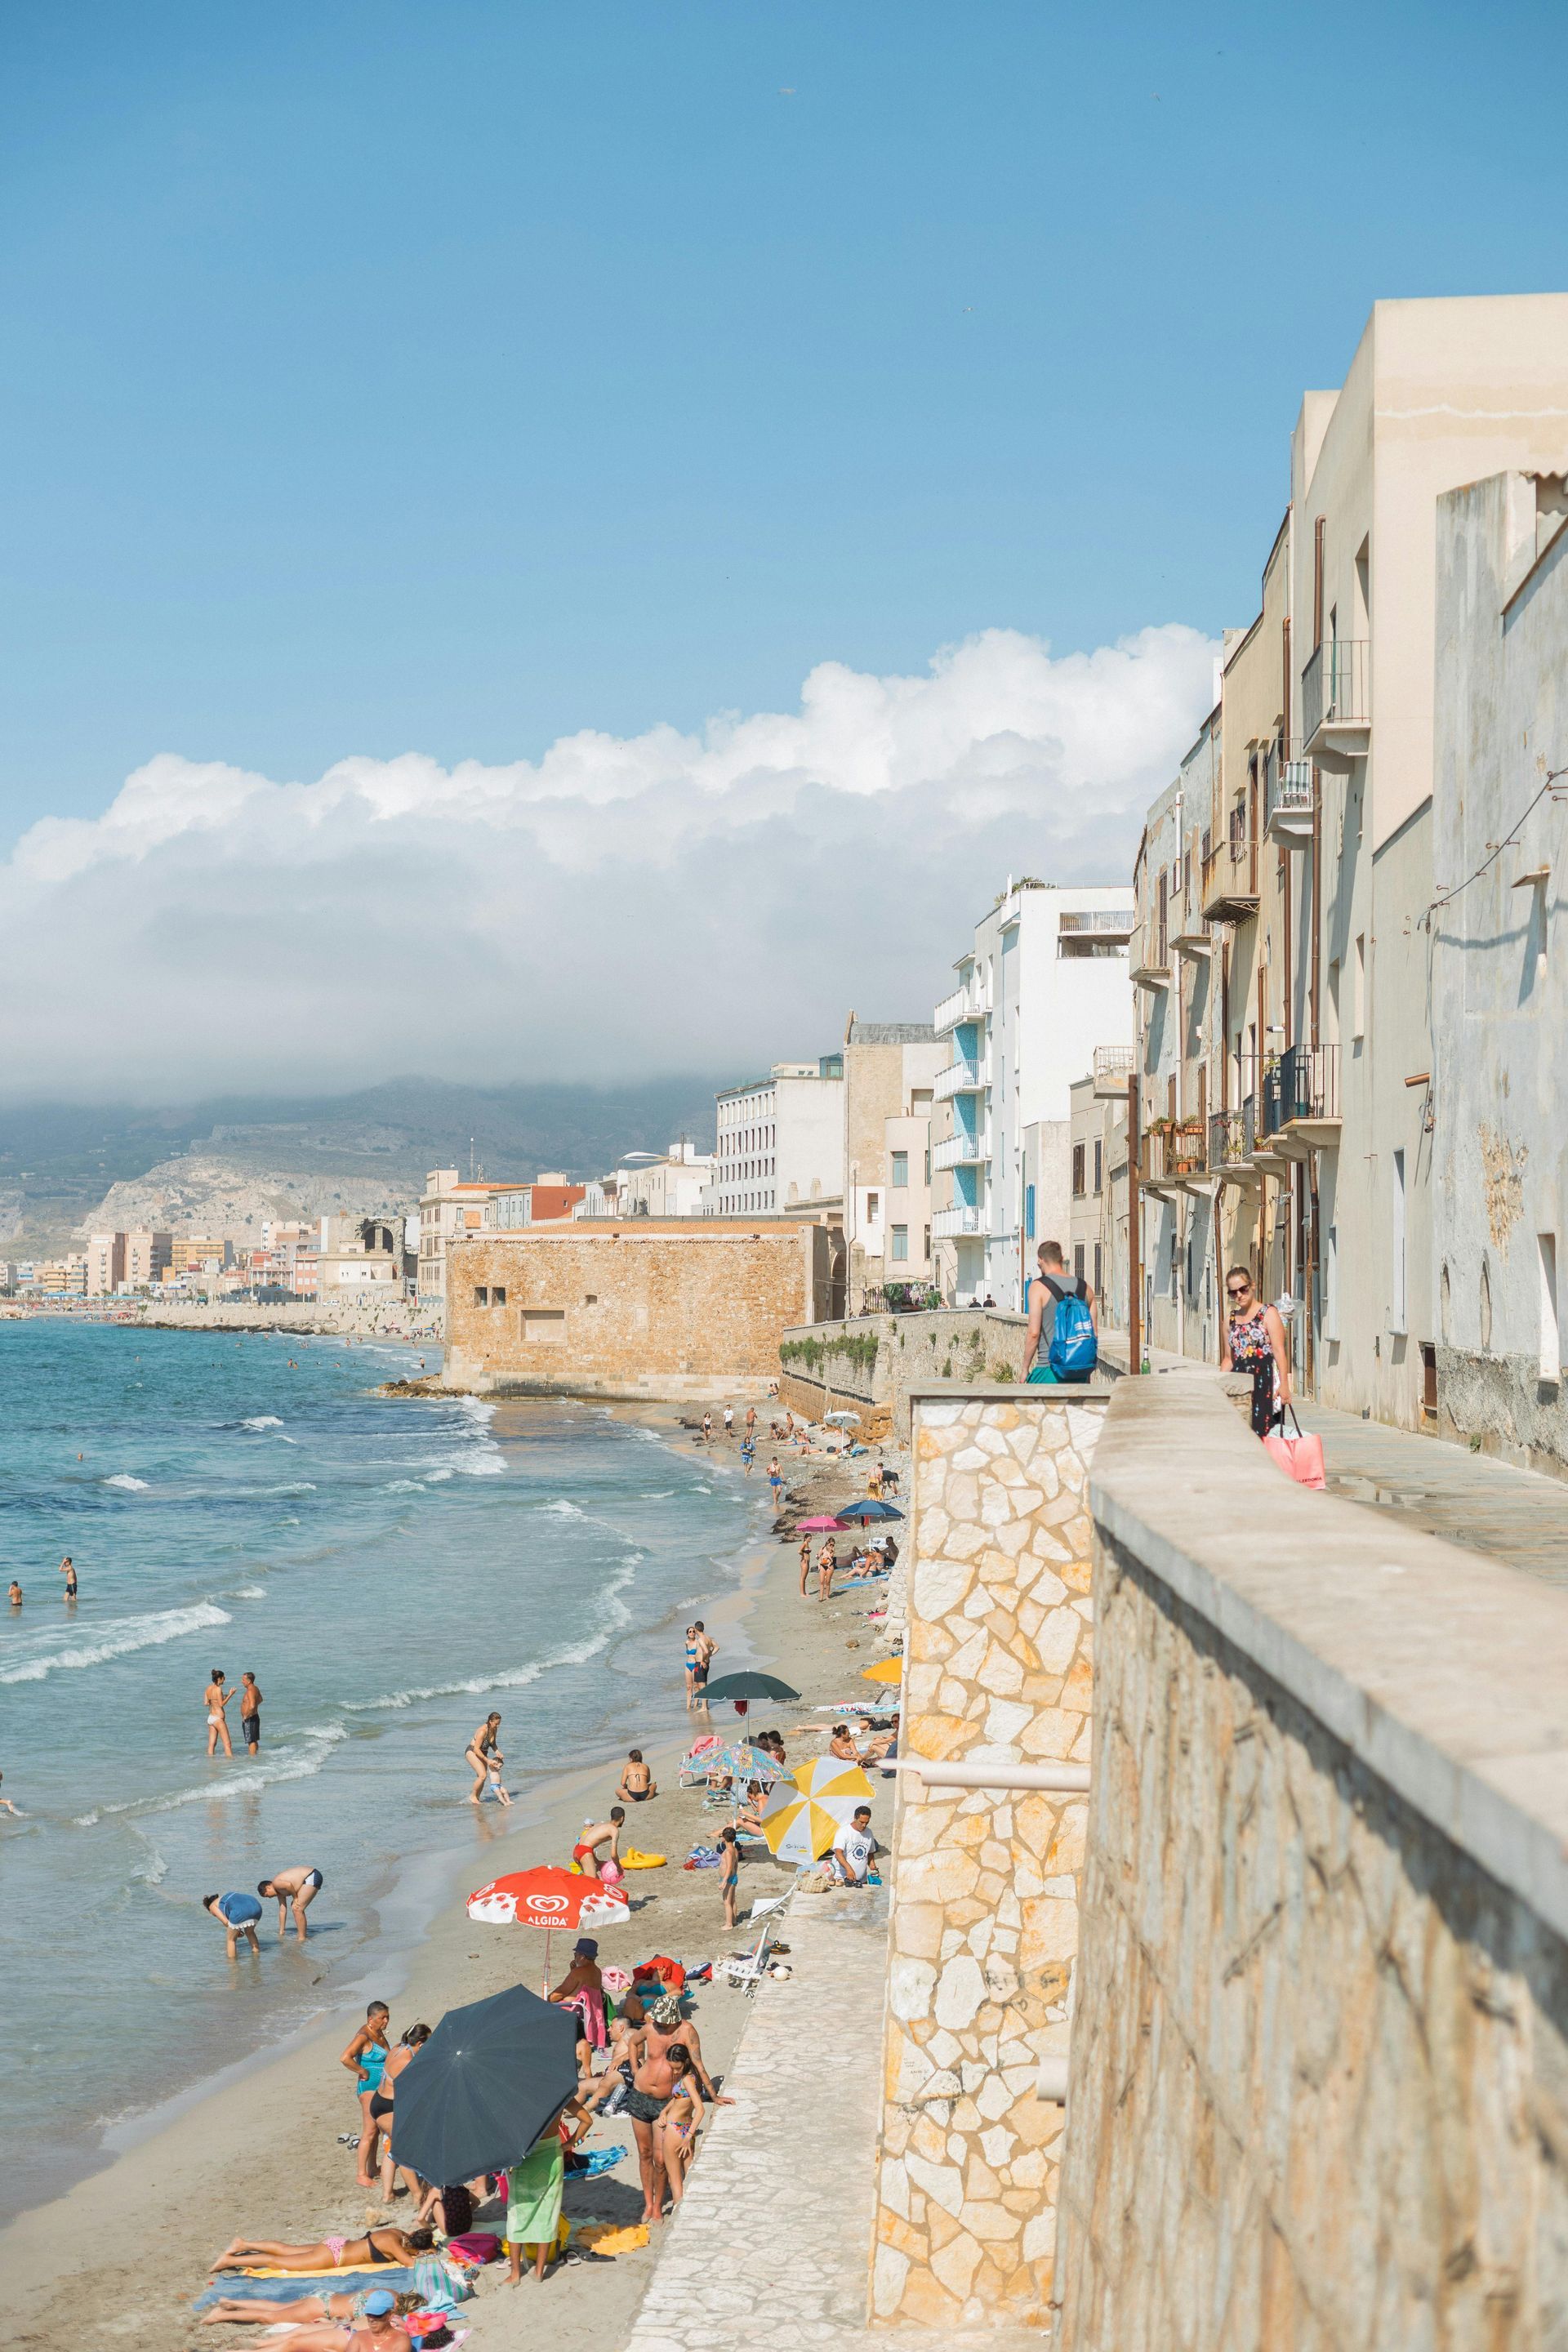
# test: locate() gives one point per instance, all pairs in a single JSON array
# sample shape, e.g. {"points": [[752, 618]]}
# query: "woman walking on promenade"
{"points": [[1254, 1343]]}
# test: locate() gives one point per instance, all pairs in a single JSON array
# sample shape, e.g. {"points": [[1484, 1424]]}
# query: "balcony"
{"points": [[1099, 931], [963, 1077], [1303, 1100], [1290, 800], [963, 1150], [1192, 937], [1171, 1155], [1336, 702], [1233, 1135], [1113, 1066], [961, 1005], [952, 1225], [1230, 873], [1150, 955]]}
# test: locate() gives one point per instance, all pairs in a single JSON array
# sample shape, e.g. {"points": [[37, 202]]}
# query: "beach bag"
{"points": [[1301, 1456], [1074, 1350]]}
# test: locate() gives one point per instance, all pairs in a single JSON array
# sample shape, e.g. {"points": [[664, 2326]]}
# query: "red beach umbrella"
{"points": [[820, 1527], [548, 1897]]}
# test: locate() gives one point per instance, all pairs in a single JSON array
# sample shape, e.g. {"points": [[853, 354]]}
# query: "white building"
{"points": [[1046, 982], [647, 1184], [781, 1139]]}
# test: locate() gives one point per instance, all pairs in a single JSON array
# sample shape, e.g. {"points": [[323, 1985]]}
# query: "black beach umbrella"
{"points": [[870, 1509], [478, 2093], [741, 1688]]}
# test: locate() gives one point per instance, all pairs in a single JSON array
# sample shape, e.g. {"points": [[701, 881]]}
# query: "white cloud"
{"points": [[633, 906]]}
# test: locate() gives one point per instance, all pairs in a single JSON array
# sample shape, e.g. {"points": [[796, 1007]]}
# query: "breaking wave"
{"points": [[118, 1638]]}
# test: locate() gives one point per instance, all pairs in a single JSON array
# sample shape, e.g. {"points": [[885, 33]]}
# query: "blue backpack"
{"points": [[1074, 1350]]}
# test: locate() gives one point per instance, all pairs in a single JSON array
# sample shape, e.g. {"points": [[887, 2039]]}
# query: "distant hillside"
{"points": [[61, 1164]]}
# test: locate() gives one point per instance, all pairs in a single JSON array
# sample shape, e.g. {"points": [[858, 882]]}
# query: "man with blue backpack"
{"points": [[1062, 1347]]}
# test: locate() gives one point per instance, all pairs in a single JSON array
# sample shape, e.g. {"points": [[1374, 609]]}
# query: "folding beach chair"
{"points": [[746, 1969]]}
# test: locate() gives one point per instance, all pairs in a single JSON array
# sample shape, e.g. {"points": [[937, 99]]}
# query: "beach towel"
{"points": [[287, 2286], [702, 1857], [589, 2004], [589, 2167], [610, 2237], [475, 2246], [533, 2194]]}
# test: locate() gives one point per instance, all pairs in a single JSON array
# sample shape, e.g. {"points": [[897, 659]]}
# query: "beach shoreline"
{"points": [[255, 2146]]}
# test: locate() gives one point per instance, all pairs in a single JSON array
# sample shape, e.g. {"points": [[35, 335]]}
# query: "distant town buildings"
{"points": [[781, 1139]]}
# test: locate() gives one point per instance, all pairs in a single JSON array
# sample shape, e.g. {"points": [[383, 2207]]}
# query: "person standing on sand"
{"points": [[215, 1698], [591, 1837], [707, 1649], [68, 1570], [805, 1563], [481, 1752], [775, 1480], [690, 1667], [249, 1713], [728, 1871], [364, 2058], [294, 1890], [728, 1421], [707, 1429], [827, 1561], [752, 1422]]}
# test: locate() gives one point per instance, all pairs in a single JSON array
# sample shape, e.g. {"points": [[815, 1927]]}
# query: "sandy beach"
{"points": [[122, 2256]]}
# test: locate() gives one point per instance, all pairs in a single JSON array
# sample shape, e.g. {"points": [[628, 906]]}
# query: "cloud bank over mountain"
{"points": [[622, 906]]}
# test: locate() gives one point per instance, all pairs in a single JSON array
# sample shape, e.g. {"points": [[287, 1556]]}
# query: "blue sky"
{"points": [[450, 377]]}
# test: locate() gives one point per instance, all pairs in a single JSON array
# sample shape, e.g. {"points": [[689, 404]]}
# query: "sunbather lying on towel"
{"points": [[397, 2246], [305, 2311]]}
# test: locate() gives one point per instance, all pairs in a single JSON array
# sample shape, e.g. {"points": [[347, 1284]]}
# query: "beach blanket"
{"points": [[287, 2286], [610, 2237], [589, 2167]]}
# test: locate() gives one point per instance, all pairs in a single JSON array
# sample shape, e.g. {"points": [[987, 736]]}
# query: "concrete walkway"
{"points": [[771, 2249], [1514, 1516]]}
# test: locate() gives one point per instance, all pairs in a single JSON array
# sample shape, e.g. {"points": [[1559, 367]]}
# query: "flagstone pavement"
{"points": [[772, 2245]]}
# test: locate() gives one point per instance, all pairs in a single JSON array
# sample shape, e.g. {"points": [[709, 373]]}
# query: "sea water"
{"points": [[391, 1569]]}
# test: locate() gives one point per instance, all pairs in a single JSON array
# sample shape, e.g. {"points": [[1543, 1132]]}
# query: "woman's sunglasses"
{"points": [[1244, 1292]]}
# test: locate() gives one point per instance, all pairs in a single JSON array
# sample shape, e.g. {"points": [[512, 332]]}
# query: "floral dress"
{"points": [[1251, 1352]]}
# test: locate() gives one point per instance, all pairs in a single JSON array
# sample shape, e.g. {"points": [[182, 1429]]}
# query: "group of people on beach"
{"points": [[239, 1913]]}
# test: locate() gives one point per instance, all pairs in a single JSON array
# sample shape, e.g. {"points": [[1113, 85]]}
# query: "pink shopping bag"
{"points": [[1300, 1457]]}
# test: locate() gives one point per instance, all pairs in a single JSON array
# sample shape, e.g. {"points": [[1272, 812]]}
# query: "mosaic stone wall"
{"points": [[983, 1930]]}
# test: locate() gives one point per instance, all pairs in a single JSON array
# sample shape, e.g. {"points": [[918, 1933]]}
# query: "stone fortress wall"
{"points": [[983, 1920], [1319, 2090]]}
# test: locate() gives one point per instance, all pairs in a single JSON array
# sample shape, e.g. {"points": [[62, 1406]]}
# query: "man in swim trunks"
{"points": [[249, 1712], [68, 1570], [636, 1783], [706, 1648], [585, 1853], [14, 1595], [294, 1890], [237, 1915]]}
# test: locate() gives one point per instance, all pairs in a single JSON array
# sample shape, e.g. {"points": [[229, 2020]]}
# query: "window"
{"points": [[1099, 1165], [590, 1298], [1078, 1171], [927, 1164], [900, 1171], [1078, 1260], [1332, 1286], [873, 1207], [901, 1251], [543, 1326], [1358, 985], [498, 1297], [925, 1252], [1332, 1010], [1029, 1213], [1097, 1258], [481, 1295], [1396, 1314], [1550, 1344]]}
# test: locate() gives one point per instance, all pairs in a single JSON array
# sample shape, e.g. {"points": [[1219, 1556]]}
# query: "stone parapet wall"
{"points": [[1319, 2090], [877, 1362], [984, 1913]]}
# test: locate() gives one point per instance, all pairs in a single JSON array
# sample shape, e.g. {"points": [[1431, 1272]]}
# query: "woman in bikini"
{"points": [[215, 1698], [676, 2129], [397, 2247], [304, 2311], [410, 2046], [481, 1753]]}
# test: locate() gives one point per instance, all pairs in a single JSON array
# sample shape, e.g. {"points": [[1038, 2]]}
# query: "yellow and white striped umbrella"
{"points": [[803, 1828], [828, 1776]]}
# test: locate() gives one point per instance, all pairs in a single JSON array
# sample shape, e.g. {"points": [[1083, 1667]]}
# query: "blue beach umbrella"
{"points": [[869, 1509]]}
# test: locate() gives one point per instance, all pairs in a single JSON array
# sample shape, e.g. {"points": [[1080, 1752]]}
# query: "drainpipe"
{"points": [[1134, 1234]]}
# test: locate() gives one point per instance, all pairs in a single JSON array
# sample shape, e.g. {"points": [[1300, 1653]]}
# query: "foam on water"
{"points": [[131, 1486], [263, 1421], [118, 1638]]}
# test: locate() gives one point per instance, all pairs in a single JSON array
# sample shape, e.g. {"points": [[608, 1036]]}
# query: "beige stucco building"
{"points": [[890, 1074]]}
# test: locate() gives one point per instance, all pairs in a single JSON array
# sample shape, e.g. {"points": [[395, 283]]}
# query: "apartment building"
{"points": [[889, 1079], [780, 1139], [105, 1255], [1096, 1233], [147, 1256], [1492, 1110], [1046, 982], [63, 1278], [450, 1206], [1308, 1054]]}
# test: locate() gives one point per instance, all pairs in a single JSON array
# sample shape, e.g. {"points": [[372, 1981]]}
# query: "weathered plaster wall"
{"points": [[1500, 983], [1319, 2051], [985, 1910]]}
